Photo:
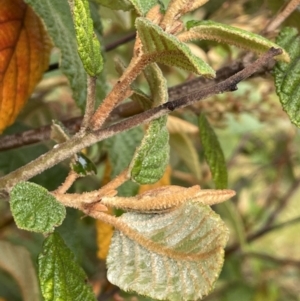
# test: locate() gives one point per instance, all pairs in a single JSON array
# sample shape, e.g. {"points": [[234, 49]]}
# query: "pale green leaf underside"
{"points": [[58, 20], [213, 153], [287, 76], [88, 45], [222, 33], [17, 262], [35, 209], [166, 49], [152, 156], [61, 278], [157, 84], [193, 230]]}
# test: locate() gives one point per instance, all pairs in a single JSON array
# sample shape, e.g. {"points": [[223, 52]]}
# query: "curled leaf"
{"points": [[222, 33], [24, 57], [287, 76], [165, 48], [181, 256], [168, 197]]}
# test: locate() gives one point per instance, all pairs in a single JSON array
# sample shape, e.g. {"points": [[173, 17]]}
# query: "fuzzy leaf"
{"points": [[88, 44], [58, 20], [24, 57], [157, 84], [16, 261], [61, 278], [152, 156], [287, 76], [143, 6], [167, 49], [209, 30], [188, 258], [35, 209], [213, 153]]}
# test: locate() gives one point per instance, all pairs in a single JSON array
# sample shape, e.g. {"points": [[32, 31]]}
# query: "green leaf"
{"points": [[287, 76], [116, 4], [57, 17], [143, 6], [157, 84], [167, 49], [209, 30], [213, 153], [186, 266], [152, 156], [83, 165], [88, 45], [61, 278], [16, 261], [35, 209]]}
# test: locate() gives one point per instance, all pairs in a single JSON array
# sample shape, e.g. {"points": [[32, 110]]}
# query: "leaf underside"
{"points": [[287, 76], [167, 49], [193, 231], [35, 209], [61, 278], [222, 33]]}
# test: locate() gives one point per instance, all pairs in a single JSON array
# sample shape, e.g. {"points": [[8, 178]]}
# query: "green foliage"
{"points": [[35, 209], [88, 44], [209, 30], [213, 153], [83, 165], [61, 278], [287, 76], [187, 263], [151, 158], [116, 4], [167, 49]]}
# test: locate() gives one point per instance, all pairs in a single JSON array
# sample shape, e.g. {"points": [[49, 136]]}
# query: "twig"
{"points": [[80, 141], [70, 179], [123, 110], [253, 236], [90, 102], [281, 16]]}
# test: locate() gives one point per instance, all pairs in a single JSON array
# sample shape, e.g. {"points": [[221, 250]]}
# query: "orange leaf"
{"points": [[24, 56]]}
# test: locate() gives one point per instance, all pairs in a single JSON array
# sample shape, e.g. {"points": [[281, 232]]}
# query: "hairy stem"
{"points": [[65, 150]]}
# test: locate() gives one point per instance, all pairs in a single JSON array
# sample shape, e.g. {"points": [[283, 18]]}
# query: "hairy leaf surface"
{"points": [[24, 57], [152, 156], [188, 258], [222, 33], [16, 261], [213, 153], [61, 278], [35, 209], [58, 20], [167, 49], [88, 44], [287, 76]]}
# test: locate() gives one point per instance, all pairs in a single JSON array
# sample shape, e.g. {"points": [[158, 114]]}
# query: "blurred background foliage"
{"points": [[261, 150]]}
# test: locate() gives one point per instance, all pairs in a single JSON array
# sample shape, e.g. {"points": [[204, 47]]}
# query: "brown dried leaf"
{"points": [[24, 56]]}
